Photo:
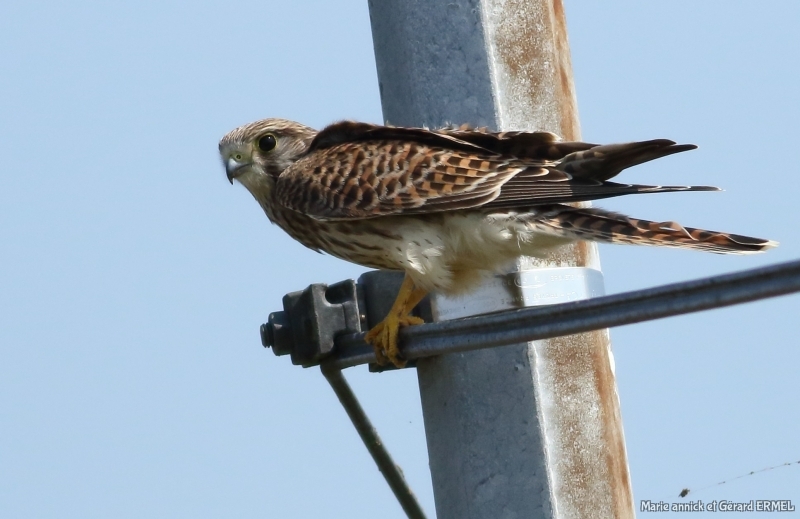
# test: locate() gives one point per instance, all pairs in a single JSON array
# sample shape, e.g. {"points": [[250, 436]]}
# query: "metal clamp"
{"points": [[312, 318], [310, 321]]}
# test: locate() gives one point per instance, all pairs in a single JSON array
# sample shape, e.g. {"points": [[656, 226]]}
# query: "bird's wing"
{"points": [[357, 170], [587, 172], [523, 145]]}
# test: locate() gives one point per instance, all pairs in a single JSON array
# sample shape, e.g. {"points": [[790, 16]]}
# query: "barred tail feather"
{"points": [[604, 226]]}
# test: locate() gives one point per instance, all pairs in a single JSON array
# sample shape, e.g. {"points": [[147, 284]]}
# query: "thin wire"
{"points": [[391, 472], [686, 491]]}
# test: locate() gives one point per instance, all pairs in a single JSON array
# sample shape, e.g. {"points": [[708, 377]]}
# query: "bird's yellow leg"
{"points": [[383, 336]]}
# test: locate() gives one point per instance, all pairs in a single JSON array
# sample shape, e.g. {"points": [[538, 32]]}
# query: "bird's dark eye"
{"points": [[267, 142]]}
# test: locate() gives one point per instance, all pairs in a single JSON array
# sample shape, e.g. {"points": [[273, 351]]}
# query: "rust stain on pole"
{"points": [[533, 51], [534, 69], [616, 455], [569, 110]]}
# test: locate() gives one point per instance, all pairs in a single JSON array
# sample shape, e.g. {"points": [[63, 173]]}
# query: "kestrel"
{"points": [[447, 206]]}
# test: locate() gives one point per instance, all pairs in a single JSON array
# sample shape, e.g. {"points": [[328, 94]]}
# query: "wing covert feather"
{"points": [[380, 178]]}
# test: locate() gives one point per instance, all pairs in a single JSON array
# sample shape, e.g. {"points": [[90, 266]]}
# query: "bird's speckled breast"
{"points": [[362, 242]]}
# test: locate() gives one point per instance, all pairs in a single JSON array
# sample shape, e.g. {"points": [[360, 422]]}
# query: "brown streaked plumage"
{"points": [[446, 206]]}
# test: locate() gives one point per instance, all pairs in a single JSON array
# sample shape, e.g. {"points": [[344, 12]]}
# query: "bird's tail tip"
{"points": [[762, 246], [605, 226]]}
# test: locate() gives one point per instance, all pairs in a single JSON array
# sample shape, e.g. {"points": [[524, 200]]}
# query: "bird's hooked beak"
{"points": [[231, 167], [234, 168]]}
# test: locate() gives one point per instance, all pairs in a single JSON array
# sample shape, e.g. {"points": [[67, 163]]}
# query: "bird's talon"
{"points": [[383, 338]]}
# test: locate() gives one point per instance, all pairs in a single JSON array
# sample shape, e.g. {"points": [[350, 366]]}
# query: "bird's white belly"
{"points": [[452, 253]]}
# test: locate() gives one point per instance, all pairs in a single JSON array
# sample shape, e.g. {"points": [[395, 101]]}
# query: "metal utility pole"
{"points": [[533, 429]]}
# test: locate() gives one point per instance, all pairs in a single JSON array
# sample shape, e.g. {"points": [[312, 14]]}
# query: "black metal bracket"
{"points": [[311, 319]]}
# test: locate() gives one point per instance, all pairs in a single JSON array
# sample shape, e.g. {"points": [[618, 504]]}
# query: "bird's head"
{"points": [[257, 153]]}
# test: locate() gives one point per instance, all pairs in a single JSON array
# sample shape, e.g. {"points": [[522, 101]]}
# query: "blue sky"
{"points": [[133, 278]]}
